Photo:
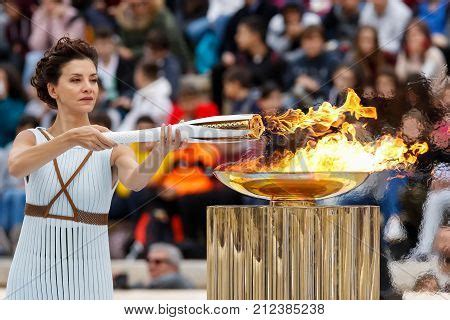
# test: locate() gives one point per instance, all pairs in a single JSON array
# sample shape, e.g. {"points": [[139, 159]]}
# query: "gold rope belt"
{"points": [[98, 219]]}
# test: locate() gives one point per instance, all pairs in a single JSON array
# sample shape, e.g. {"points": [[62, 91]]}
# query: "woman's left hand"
{"points": [[169, 140]]}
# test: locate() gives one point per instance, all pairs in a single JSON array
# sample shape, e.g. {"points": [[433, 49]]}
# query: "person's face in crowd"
{"points": [[139, 7], [12, 10], [429, 284], [140, 80], [412, 128], [245, 38], [77, 87], [369, 92], [344, 78], [350, 5], [292, 16], [379, 5], [155, 5], [313, 45], [232, 89], [159, 264], [4, 86], [144, 125], [189, 103], [51, 5], [385, 86], [366, 41], [154, 54], [272, 103], [105, 47], [415, 40]]}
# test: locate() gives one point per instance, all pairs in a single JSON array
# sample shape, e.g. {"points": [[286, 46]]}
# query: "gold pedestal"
{"points": [[293, 252]]}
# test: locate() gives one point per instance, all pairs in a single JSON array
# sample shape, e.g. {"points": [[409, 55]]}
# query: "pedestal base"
{"points": [[295, 252]]}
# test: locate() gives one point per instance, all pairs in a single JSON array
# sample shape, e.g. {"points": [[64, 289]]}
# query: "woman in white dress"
{"points": [[71, 170]]}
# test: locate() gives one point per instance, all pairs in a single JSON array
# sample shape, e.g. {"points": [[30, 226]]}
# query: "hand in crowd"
{"points": [[90, 137], [308, 83], [123, 102], [228, 59]]}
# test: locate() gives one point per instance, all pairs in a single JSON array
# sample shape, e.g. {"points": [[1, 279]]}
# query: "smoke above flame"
{"points": [[330, 143]]}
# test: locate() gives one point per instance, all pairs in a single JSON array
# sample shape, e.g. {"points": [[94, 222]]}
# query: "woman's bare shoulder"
{"points": [[25, 138]]}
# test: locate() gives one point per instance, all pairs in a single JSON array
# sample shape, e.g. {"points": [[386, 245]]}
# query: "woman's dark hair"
{"points": [[372, 63], [15, 88], [423, 27], [48, 69]]}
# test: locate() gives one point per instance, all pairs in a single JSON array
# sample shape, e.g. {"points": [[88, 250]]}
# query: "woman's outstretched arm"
{"points": [[136, 176], [26, 156]]}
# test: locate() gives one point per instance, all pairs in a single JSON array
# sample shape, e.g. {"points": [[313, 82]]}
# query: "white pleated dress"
{"points": [[64, 259]]}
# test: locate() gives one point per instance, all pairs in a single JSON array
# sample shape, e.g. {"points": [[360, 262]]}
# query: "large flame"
{"points": [[332, 143]]}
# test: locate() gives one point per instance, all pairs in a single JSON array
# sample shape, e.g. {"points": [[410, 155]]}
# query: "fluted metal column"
{"points": [[293, 252]]}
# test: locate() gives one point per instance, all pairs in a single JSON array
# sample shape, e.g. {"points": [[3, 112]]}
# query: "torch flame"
{"points": [[332, 143]]}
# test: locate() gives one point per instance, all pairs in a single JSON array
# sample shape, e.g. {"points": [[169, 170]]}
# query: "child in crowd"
{"points": [[238, 90], [152, 98]]}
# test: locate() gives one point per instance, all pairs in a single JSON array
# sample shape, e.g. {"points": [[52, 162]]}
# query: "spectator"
{"points": [[12, 103], [137, 17], [344, 77], [427, 283], [51, 20], [192, 104], [390, 18], [17, 31], [418, 55], [270, 101], [186, 188], [366, 53], [151, 99], [285, 27], [253, 54], [12, 196], [238, 90], [341, 23], [435, 209], [435, 14], [157, 50], [387, 84], [442, 241], [164, 267], [35, 107], [260, 8], [310, 74], [115, 72]]}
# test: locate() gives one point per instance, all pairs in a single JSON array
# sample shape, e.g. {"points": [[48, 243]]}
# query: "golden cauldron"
{"points": [[293, 249]]}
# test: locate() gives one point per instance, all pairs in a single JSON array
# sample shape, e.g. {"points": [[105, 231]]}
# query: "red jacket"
{"points": [[205, 109]]}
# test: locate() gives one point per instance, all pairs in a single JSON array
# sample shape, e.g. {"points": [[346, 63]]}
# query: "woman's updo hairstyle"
{"points": [[48, 69]]}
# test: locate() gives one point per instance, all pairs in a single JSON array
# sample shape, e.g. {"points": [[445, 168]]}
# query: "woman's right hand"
{"points": [[90, 137]]}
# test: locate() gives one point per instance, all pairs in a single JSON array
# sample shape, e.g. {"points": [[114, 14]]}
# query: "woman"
{"points": [[418, 54], [367, 54], [71, 171]]}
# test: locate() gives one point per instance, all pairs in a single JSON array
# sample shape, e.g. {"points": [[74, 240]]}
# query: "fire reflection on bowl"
{"points": [[292, 186]]}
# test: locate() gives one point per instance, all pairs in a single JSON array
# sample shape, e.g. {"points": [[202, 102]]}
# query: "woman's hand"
{"points": [[90, 137], [168, 141]]}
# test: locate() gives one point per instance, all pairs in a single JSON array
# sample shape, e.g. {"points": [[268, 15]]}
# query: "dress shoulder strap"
{"points": [[63, 184]]}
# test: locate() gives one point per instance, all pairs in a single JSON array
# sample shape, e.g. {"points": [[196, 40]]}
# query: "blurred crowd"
{"points": [[166, 61]]}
